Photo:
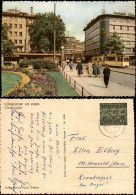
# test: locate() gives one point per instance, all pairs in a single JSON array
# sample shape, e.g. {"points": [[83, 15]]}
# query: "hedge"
{"points": [[38, 64]]}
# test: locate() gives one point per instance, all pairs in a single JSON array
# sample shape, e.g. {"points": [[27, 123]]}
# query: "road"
{"points": [[122, 76]]}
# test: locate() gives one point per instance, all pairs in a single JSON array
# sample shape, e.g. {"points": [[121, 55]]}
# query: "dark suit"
{"points": [[106, 73]]}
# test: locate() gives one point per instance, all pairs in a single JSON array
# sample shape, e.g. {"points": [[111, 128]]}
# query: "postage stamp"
{"points": [[113, 114]]}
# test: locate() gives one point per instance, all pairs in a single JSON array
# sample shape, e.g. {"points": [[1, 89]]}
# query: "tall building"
{"points": [[73, 48], [19, 23], [100, 28]]}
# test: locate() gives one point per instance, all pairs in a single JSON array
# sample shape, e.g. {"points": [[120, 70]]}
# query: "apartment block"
{"points": [[103, 26], [19, 23]]}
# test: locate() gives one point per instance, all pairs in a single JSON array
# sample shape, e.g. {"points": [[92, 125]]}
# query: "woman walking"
{"points": [[95, 66], [79, 68], [89, 68], [71, 65], [99, 69]]}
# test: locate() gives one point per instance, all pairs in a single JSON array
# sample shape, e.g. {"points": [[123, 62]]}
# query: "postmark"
{"points": [[113, 119]]}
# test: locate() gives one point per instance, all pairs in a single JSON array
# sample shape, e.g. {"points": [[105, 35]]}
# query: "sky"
{"points": [[75, 14]]}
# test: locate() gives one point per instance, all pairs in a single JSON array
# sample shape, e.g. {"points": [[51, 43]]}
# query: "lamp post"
{"points": [[54, 32], [62, 54]]}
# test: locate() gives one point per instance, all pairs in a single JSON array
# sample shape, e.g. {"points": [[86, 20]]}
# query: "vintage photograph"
{"points": [[68, 49], [53, 146]]}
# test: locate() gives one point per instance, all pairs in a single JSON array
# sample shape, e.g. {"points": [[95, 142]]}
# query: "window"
{"points": [[110, 58], [15, 25], [15, 40], [10, 25], [20, 19], [20, 49], [113, 27], [5, 18], [20, 34], [126, 60], [15, 34], [127, 27], [10, 18], [10, 33], [120, 27], [20, 41], [120, 59], [127, 49], [20, 25], [15, 18]]}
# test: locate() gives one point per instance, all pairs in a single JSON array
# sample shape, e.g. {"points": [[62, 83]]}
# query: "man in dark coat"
{"points": [[106, 73], [79, 68]]}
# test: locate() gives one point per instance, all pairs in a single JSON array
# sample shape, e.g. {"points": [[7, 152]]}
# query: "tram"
{"points": [[113, 60]]}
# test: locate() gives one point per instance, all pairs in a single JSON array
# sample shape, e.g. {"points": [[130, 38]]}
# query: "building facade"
{"points": [[19, 23], [100, 28], [73, 48]]}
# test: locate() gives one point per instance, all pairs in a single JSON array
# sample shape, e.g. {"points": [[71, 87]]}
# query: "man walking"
{"points": [[79, 68], [106, 73]]}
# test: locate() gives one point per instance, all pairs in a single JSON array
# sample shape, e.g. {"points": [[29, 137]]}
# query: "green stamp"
{"points": [[113, 114]]}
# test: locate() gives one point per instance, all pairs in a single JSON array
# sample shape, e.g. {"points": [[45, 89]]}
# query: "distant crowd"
{"points": [[93, 69]]}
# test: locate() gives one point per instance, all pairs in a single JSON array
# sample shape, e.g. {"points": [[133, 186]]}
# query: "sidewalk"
{"points": [[96, 87]]}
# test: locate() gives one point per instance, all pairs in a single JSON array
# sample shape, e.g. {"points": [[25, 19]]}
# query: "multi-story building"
{"points": [[73, 48], [19, 24], [100, 28]]}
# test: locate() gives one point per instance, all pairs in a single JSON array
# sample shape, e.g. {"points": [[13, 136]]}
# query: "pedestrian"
{"points": [[95, 69], [106, 73], [71, 65], [63, 65], [89, 68], [56, 62], [99, 69], [79, 68], [67, 62]]}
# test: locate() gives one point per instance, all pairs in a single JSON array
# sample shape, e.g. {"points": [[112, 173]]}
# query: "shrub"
{"points": [[38, 64], [24, 64]]}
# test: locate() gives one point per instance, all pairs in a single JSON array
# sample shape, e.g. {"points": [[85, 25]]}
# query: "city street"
{"points": [[123, 76], [120, 83]]}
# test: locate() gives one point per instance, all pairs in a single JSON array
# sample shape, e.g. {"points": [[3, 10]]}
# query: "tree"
{"points": [[115, 44], [8, 47], [42, 32]]}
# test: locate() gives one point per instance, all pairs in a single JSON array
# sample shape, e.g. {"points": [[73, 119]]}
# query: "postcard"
{"points": [[68, 146], [68, 49]]}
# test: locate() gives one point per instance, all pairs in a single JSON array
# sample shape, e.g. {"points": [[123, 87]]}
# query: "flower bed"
{"points": [[40, 84]]}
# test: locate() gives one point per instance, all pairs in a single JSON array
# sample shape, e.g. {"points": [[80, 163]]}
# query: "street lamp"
{"points": [[62, 54]]}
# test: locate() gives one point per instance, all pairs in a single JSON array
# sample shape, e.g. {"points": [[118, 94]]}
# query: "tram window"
{"points": [[110, 59], [120, 59], [125, 59]]}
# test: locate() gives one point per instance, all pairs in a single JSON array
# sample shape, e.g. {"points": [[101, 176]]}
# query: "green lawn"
{"points": [[9, 80], [63, 87]]}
